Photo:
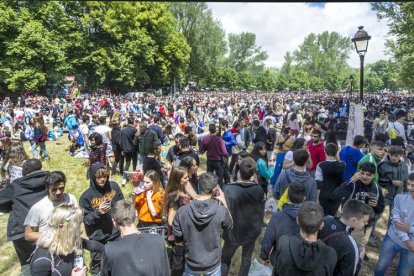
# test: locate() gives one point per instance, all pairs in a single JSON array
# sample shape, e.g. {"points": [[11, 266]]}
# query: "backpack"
{"points": [[72, 123], [80, 141], [393, 133]]}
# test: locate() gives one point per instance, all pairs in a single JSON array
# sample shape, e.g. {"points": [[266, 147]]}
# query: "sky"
{"points": [[282, 27]]}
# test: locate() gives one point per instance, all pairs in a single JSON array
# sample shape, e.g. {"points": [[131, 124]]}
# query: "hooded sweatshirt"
{"points": [[282, 223], [350, 157], [19, 197], [299, 257], [292, 175], [199, 224], [389, 171], [99, 226]]}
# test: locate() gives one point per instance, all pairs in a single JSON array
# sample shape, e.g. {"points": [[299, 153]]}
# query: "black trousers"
{"points": [[330, 207], [229, 248], [129, 156], [23, 250], [218, 168]]}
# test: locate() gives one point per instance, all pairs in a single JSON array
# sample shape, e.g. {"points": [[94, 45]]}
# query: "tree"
{"points": [[204, 35], [323, 54], [400, 21], [373, 83], [243, 52], [32, 57]]}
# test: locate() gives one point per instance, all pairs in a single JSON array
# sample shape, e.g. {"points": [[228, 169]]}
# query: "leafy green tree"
{"points": [[323, 54], [244, 54], [204, 35], [373, 83], [399, 16], [32, 57], [266, 81]]}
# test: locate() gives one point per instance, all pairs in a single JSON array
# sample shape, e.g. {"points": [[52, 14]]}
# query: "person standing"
{"points": [[17, 199], [245, 199], [96, 203], [351, 155], [135, 253], [328, 177], [143, 140], [38, 216], [216, 151], [199, 224], [336, 233], [399, 237], [128, 152], [316, 150], [304, 254]]}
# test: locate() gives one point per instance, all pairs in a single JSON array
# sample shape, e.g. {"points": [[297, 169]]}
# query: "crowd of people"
{"points": [[283, 153]]}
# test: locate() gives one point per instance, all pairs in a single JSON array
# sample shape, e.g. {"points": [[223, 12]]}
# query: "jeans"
{"points": [[229, 248], [388, 251], [215, 272], [217, 168], [43, 151]]}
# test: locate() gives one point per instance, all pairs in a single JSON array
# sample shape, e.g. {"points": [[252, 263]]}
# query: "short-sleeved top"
{"points": [[143, 211], [40, 213]]}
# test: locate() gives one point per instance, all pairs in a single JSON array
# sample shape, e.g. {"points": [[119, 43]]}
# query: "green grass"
{"points": [[75, 172]]}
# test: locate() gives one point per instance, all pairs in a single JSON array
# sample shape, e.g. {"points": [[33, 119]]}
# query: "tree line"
{"points": [[123, 46]]}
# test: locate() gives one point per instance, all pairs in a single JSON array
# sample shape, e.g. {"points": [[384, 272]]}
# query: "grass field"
{"points": [[76, 183]]}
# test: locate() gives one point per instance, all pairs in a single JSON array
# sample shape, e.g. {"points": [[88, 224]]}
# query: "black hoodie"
{"points": [[199, 224], [19, 197], [295, 256], [99, 227]]}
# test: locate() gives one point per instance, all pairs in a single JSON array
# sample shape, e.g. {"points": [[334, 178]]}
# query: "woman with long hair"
{"points": [[149, 200], [97, 153], [190, 164], [13, 161], [264, 170], [175, 197], [39, 138], [60, 243]]}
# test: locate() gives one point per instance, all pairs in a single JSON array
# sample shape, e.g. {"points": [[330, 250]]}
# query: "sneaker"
{"points": [[264, 225], [371, 241], [366, 257], [123, 182]]}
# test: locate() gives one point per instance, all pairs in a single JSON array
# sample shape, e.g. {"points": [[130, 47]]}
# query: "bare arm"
{"points": [[31, 233]]}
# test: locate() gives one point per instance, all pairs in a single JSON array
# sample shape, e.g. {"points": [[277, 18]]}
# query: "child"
{"points": [[149, 200], [399, 237]]}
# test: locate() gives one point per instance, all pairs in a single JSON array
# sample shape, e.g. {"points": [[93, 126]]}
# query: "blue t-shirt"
{"points": [[350, 157]]}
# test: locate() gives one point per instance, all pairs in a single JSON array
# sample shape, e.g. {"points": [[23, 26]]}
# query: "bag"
{"points": [[393, 134], [80, 141], [257, 269], [72, 123]]}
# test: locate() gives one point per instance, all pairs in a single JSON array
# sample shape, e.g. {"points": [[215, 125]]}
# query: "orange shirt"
{"points": [[143, 211]]}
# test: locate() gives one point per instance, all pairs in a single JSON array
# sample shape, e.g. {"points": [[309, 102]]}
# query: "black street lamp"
{"points": [[351, 82], [361, 39]]}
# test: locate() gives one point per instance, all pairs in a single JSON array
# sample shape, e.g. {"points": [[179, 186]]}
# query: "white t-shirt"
{"points": [[40, 213], [105, 132], [289, 156]]}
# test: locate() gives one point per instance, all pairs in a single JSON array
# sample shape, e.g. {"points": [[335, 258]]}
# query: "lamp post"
{"points": [[351, 82], [361, 39]]}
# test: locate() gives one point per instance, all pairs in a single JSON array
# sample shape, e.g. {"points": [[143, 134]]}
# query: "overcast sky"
{"points": [[281, 27]]}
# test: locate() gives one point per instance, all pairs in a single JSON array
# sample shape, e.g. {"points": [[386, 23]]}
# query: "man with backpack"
{"points": [[396, 131], [71, 122]]}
